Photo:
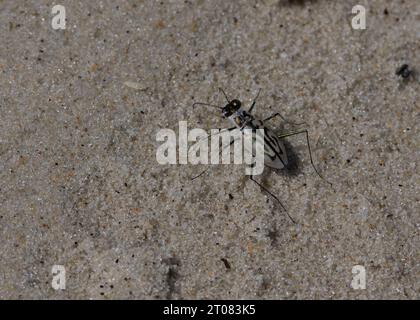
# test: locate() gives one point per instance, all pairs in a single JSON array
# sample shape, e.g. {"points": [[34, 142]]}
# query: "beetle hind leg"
{"points": [[271, 194]]}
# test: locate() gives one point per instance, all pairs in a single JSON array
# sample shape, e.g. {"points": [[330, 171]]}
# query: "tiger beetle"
{"points": [[275, 155]]}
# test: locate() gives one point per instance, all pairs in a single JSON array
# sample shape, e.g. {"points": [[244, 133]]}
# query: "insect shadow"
{"points": [[294, 166], [275, 152]]}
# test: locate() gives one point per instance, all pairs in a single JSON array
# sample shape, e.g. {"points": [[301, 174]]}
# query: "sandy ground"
{"points": [[80, 185]]}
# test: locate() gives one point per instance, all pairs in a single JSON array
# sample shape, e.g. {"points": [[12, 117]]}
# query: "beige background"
{"points": [[80, 185]]}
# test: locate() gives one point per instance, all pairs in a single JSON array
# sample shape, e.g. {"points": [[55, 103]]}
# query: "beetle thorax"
{"points": [[240, 118]]}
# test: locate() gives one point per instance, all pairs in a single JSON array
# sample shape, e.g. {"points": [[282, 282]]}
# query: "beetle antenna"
{"points": [[224, 93]]}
